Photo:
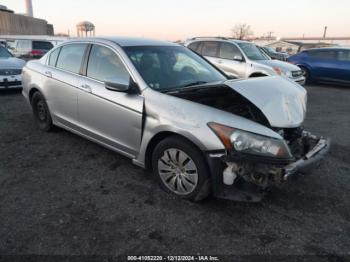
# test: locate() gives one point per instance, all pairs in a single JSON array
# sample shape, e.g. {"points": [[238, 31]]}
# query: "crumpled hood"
{"points": [[282, 101], [11, 63], [280, 64]]}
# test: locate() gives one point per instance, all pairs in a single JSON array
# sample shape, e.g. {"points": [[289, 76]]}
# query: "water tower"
{"points": [[85, 28]]}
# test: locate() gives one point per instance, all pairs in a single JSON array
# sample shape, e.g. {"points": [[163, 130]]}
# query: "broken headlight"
{"points": [[245, 142]]}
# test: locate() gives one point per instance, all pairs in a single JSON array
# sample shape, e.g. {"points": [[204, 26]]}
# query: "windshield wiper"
{"points": [[196, 83]]}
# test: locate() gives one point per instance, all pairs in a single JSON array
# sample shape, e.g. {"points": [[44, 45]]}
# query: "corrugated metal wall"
{"points": [[12, 24]]}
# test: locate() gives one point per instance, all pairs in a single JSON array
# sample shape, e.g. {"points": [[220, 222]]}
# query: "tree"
{"points": [[241, 31]]}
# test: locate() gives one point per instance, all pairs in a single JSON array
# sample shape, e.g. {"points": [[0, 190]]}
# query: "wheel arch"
{"points": [[257, 74], [157, 138], [32, 91]]}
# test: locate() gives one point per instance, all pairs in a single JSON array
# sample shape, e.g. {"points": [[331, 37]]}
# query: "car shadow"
{"points": [[10, 91]]}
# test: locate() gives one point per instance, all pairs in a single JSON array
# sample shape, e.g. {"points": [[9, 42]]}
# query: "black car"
{"points": [[274, 54]]}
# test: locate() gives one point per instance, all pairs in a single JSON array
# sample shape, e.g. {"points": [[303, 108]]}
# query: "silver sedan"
{"points": [[171, 111]]}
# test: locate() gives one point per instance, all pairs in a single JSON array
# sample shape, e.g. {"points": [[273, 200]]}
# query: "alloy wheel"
{"points": [[178, 171]]}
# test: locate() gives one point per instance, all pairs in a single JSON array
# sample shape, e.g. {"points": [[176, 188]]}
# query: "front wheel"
{"points": [[306, 74], [41, 112], [181, 169]]}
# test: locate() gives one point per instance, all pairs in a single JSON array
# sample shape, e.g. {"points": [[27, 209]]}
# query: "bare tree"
{"points": [[241, 31]]}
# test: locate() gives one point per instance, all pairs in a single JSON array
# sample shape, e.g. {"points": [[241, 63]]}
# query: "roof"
{"points": [[329, 48], [131, 41], [219, 38]]}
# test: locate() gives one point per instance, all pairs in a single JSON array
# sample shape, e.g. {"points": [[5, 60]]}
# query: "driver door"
{"points": [[110, 117]]}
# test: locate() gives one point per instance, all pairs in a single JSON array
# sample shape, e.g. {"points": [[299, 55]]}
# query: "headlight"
{"points": [[280, 72], [249, 143]]}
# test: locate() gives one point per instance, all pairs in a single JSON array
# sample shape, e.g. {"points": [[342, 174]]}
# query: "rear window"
{"points": [[194, 46], [42, 45], [53, 57], [70, 57], [210, 49]]}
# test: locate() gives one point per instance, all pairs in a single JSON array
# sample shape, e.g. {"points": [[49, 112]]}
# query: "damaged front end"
{"points": [[245, 177], [252, 161]]}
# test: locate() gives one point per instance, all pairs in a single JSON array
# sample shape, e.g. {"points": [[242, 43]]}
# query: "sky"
{"points": [[181, 19]]}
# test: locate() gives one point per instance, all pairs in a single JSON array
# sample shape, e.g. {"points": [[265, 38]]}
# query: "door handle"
{"points": [[219, 62], [85, 88], [48, 74]]}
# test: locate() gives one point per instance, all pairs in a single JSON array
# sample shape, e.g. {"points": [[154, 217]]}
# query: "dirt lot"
{"points": [[61, 194]]}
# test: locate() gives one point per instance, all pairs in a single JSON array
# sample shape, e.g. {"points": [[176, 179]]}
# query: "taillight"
{"points": [[36, 53]]}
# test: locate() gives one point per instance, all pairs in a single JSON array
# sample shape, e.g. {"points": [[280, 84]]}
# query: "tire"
{"points": [[41, 112], [180, 169], [306, 74], [257, 75]]}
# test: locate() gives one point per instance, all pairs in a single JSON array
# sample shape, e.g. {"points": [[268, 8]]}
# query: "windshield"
{"points": [[253, 52], [171, 67], [4, 53]]}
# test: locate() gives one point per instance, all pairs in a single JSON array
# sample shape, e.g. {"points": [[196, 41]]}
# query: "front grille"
{"points": [[10, 72], [298, 73], [8, 84]]}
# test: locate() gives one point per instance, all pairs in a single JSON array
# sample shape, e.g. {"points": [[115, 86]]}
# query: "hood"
{"points": [[282, 101], [11, 63], [280, 64]]}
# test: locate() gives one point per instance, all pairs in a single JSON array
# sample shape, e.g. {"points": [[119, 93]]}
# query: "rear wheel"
{"points": [[181, 169], [41, 112]]}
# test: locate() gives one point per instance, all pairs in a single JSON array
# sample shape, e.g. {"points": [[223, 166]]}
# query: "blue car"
{"points": [[324, 64]]}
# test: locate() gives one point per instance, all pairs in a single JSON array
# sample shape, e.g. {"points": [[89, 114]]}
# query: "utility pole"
{"points": [[325, 31], [269, 35]]}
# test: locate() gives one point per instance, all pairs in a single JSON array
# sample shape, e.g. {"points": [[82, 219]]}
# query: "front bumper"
{"points": [[10, 82], [241, 190], [309, 160], [300, 80]]}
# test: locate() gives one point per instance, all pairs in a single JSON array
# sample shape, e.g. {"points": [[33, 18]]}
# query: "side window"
{"points": [[53, 57], [194, 46], [210, 48], [323, 54], [19, 45], [105, 65], [344, 55], [70, 57], [229, 51]]}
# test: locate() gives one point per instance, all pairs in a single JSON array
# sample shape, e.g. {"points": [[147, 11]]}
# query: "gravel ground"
{"points": [[63, 195]]}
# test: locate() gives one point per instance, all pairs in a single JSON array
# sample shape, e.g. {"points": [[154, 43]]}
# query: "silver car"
{"points": [[242, 59], [171, 111], [10, 70]]}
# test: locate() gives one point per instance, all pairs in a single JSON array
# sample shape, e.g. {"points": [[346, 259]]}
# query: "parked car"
{"points": [[10, 70], [273, 54], [242, 59], [168, 109], [324, 64], [31, 49]]}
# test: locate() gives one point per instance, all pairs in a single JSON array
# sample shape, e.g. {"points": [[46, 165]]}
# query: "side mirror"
{"points": [[121, 85], [238, 58]]}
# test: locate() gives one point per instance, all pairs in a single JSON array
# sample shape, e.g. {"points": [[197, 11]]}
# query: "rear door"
{"points": [[343, 62], [62, 80], [22, 48], [324, 64], [113, 118], [210, 49], [227, 54]]}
